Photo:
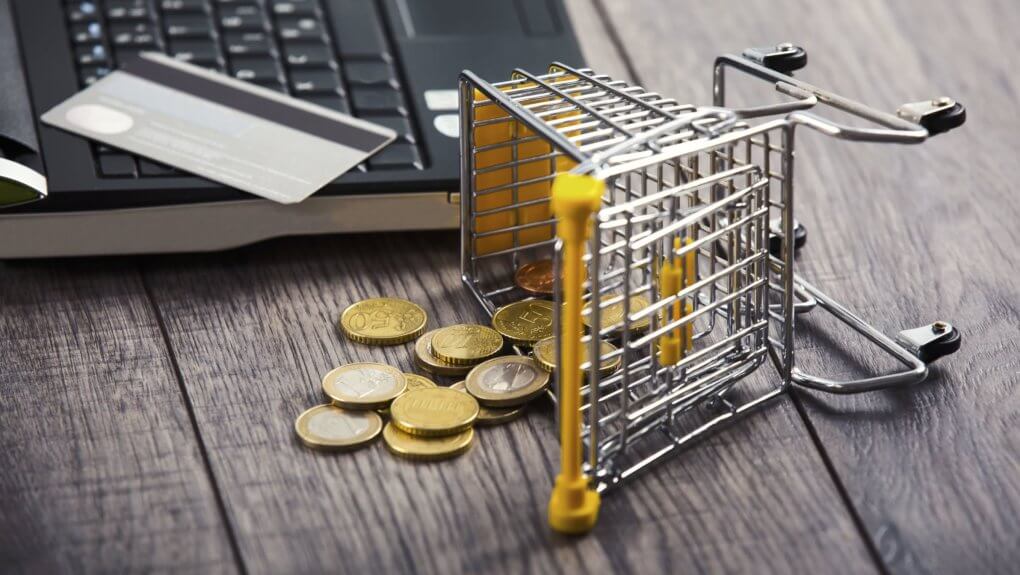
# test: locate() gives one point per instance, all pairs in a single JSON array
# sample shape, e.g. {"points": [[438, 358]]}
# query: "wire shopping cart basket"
{"points": [[672, 235]]}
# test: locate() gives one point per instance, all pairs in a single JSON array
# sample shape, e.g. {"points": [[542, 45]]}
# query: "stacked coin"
{"points": [[431, 423]]}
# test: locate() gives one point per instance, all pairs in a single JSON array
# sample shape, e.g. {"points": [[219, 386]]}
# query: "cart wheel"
{"points": [[945, 120], [786, 59], [776, 239], [932, 341]]}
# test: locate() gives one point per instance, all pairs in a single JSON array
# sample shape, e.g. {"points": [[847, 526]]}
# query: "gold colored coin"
{"points": [[466, 343], [364, 385], [424, 359], [536, 278], [433, 412], [492, 415], [426, 448], [415, 381], [329, 427], [506, 381], [545, 354], [613, 313], [524, 322], [383, 321]]}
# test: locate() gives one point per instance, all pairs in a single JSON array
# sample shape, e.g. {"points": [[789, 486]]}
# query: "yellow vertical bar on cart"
{"points": [[488, 135], [690, 267], [574, 505]]}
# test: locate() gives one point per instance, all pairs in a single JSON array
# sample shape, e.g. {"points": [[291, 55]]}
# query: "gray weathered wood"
{"points": [[100, 470], [905, 235]]}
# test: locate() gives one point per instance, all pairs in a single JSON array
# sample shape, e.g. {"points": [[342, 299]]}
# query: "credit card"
{"points": [[223, 129]]}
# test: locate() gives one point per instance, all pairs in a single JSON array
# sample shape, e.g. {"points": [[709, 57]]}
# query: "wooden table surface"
{"points": [[147, 404]]}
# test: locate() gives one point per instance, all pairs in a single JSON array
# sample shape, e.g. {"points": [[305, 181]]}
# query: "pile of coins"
{"points": [[427, 421]]}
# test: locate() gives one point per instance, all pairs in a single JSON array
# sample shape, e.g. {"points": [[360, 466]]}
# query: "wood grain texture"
{"points": [[254, 330], [100, 470], [904, 235]]}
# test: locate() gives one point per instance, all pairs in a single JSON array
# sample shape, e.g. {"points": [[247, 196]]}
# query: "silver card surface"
{"points": [[223, 129]]}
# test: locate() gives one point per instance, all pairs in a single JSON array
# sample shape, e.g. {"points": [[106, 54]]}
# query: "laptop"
{"points": [[393, 62]]}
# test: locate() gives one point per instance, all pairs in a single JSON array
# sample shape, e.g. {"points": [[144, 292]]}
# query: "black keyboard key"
{"points": [[153, 169], [82, 11], [201, 52], [89, 74], [274, 85], [117, 165], [315, 81], [177, 6], [255, 69], [247, 43], [84, 32], [293, 7], [369, 73], [242, 17], [356, 28], [132, 34], [299, 29], [91, 54], [305, 54], [127, 9], [122, 54], [377, 100], [187, 26], [333, 102], [397, 123], [396, 155]]}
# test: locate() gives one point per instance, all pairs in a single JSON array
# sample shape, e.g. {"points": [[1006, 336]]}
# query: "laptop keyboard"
{"points": [[334, 53]]}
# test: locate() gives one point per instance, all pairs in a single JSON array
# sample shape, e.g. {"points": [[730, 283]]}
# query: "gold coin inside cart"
{"points": [[545, 355], [506, 381], [524, 322], [426, 448], [427, 361], [492, 415], [328, 427], [612, 314], [383, 321], [364, 385], [466, 343]]}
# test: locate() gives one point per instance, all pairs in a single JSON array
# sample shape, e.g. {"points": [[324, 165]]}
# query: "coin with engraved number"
{"points": [[383, 321], [466, 343], [536, 278], [492, 415], [424, 358], [506, 381], [524, 322], [612, 314], [545, 354], [433, 412], [329, 427], [364, 385], [426, 448]]}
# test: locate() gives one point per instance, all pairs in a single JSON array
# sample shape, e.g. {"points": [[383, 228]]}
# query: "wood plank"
{"points": [[905, 235], [101, 468], [254, 330]]}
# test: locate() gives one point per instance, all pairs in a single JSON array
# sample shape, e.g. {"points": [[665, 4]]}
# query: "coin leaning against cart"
{"points": [[506, 381], [383, 321], [612, 314], [427, 361], [491, 415], [466, 344], [433, 411], [426, 448], [524, 322], [329, 427], [364, 385], [536, 277]]}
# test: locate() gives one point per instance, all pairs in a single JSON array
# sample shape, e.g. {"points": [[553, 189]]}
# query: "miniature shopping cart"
{"points": [[672, 232]]}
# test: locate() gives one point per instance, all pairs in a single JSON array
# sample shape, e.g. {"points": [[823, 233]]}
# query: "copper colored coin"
{"points": [[536, 278]]}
